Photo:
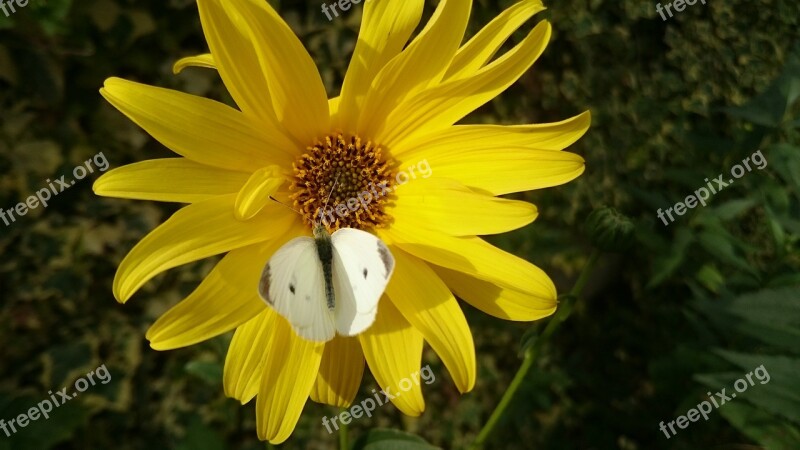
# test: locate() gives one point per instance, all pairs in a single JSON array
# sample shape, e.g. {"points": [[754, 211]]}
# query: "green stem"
{"points": [[564, 310], [343, 436], [580, 283]]}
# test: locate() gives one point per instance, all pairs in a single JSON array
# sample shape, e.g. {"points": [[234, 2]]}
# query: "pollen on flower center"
{"points": [[361, 173]]}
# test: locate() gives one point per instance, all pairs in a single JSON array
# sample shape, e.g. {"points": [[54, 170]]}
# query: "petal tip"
{"points": [[157, 346]]}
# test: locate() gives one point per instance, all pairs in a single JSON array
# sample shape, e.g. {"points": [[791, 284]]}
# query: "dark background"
{"points": [[688, 309]]}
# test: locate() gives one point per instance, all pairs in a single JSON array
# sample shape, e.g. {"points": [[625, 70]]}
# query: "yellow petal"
{"points": [[195, 232], [333, 107], [339, 373], [237, 62], [200, 129], [543, 136], [393, 350], [298, 95], [440, 106], [204, 60], [385, 29], [255, 194], [472, 256], [226, 298], [498, 301], [422, 64], [500, 171], [480, 49], [247, 356], [447, 206], [427, 304], [286, 383], [169, 180]]}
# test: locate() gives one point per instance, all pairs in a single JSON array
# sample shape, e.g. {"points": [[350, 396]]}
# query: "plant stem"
{"points": [[564, 310], [580, 283], [343, 436]]}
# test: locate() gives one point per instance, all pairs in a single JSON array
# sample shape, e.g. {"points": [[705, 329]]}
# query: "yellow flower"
{"points": [[397, 109]]}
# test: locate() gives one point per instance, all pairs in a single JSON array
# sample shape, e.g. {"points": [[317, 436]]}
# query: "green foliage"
{"points": [[690, 308], [386, 439]]}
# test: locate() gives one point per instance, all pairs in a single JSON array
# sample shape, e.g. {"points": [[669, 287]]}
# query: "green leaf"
{"points": [[785, 159], [770, 315], [723, 249], [769, 108], [711, 278], [776, 306], [734, 208], [52, 15], [201, 437], [775, 385], [761, 426], [387, 439], [210, 372], [778, 235], [665, 266]]}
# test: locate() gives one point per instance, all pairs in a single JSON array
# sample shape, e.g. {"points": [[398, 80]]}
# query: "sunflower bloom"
{"points": [[398, 107]]}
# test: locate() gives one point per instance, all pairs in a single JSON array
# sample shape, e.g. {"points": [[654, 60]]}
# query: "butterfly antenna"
{"points": [[335, 180], [278, 201]]}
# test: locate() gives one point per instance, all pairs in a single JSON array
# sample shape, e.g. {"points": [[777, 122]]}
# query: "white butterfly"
{"points": [[328, 283]]}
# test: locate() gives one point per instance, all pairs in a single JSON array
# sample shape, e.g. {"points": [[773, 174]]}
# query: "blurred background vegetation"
{"points": [[690, 308]]}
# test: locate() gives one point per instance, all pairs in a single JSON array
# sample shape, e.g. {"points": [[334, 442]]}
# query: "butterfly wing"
{"points": [[293, 284], [362, 267]]}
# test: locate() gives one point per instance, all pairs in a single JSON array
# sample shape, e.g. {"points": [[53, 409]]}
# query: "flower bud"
{"points": [[610, 230]]}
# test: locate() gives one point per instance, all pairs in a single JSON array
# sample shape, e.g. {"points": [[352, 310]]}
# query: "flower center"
{"points": [[362, 176]]}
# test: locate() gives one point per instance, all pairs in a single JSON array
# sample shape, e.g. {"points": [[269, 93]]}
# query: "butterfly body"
{"points": [[325, 252], [329, 283]]}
